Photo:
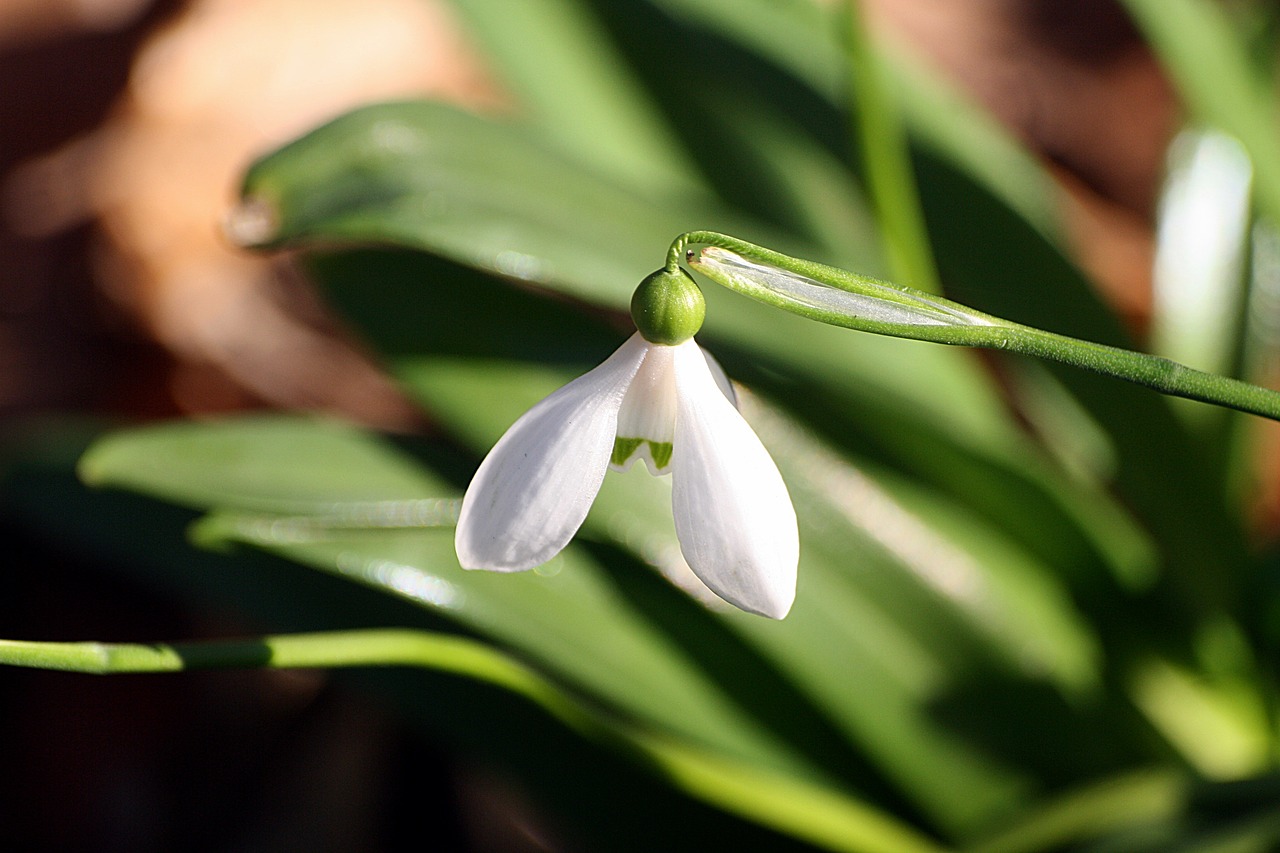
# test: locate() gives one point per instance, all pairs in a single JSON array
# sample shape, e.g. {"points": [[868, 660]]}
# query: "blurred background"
{"points": [[127, 126]]}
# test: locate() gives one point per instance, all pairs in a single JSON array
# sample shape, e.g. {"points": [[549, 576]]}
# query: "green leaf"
{"points": [[492, 195], [557, 616], [1101, 808], [201, 465], [570, 82]]}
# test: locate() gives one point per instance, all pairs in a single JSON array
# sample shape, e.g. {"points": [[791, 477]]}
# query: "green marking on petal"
{"points": [[657, 454], [661, 452], [625, 448]]}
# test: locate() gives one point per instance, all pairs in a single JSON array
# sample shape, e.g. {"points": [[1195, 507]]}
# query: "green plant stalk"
{"points": [[807, 810], [840, 298], [818, 814], [886, 160], [375, 647]]}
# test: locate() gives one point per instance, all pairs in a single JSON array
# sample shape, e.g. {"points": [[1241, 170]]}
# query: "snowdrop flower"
{"points": [[659, 398]]}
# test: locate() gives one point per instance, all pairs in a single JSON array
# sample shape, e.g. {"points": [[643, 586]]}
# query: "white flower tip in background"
{"points": [[670, 406]]}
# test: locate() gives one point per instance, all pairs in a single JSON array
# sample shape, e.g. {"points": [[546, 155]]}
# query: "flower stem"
{"points": [[1161, 374], [809, 810], [334, 649], [841, 298]]}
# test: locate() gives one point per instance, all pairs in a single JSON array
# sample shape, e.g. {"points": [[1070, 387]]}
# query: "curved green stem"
{"points": [[805, 809], [841, 298], [334, 649]]}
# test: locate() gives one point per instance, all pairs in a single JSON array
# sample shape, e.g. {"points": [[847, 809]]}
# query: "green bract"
{"points": [[667, 307]]}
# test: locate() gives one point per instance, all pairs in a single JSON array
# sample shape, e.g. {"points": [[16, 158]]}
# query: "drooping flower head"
{"points": [[659, 398]]}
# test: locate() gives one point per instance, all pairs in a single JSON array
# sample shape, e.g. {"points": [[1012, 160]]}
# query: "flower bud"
{"points": [[667, 307]]}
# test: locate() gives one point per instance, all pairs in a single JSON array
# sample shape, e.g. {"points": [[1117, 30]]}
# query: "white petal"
{"points": [[533, 490], [646, 421], [734, 519], [721, 378]]}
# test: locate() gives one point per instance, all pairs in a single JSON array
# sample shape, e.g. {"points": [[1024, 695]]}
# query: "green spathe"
{"points": [[667, 307]]}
